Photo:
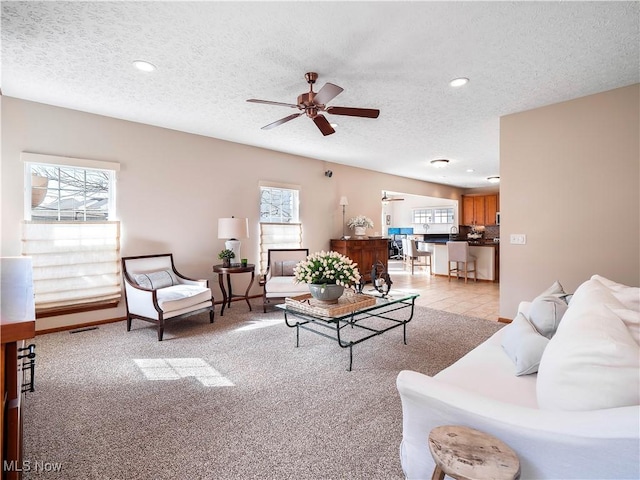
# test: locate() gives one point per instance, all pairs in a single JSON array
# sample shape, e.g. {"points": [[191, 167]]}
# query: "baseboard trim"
{"points": [[64, 328], [504, 320]]}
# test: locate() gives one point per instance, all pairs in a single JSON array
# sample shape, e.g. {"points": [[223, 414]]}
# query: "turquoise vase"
{"points": [[326, 294]]}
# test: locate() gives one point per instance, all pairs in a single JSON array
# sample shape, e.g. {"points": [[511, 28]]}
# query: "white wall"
{"points": [[173, 186], [570, 181]]}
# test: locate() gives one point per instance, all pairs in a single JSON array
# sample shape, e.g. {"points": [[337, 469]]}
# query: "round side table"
{"points": [[467, 454], [228, 271]]}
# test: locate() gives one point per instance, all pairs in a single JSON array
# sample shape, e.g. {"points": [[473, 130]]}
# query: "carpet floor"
{"points": [[230, 400]]}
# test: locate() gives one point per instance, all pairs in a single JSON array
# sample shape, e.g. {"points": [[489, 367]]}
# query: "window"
{"points": [[433, 215], [279, 219], [70, 233]]}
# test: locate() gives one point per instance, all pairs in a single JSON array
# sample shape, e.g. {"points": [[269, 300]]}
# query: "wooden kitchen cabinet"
{"points": [[490, 209], [364, 252], [479, 209]]}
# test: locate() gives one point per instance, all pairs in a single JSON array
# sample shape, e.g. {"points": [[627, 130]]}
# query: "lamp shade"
{"points": [[344, 201], [233, 228]]}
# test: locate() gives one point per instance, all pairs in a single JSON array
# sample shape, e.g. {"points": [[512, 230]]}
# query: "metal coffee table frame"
{"points": [[355, 320]]}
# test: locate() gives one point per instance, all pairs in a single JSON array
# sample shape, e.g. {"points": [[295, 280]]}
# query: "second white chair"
{"points": [[459, 254]]}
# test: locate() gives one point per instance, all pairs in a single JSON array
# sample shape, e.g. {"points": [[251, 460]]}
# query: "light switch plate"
{"points": [[518, 239]]}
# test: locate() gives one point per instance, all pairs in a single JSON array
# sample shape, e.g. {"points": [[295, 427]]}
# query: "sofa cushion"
{"points": [[181, 296], [592, 362], [524, 345], [153, 280], [487, 371]]}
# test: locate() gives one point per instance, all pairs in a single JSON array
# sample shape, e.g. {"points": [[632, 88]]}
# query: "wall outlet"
{"points": [[518, 239]]}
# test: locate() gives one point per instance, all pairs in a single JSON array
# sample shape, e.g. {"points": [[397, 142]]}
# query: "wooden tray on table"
{"points": [[347, 303]]}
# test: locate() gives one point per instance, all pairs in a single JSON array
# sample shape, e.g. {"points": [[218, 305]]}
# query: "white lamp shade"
{"points": [[344, 201], [233, 228]]}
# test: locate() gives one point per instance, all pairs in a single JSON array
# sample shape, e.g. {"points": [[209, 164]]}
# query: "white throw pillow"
{"points": [[547, 310], [592, 362], [155, 280], [523, 345]]}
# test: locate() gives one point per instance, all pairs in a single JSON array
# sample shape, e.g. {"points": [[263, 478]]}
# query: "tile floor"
{"points": [[476, 299]]}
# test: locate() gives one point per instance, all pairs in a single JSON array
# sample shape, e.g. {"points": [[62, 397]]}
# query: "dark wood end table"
{"points": [[228, 271]]}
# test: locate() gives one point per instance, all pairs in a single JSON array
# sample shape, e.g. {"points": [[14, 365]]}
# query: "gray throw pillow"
{"points": [[547, 309], [523, 345], [155, 280]]}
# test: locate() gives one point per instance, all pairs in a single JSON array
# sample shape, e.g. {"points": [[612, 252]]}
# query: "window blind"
{"points": [[278, 235], [74, 263]]}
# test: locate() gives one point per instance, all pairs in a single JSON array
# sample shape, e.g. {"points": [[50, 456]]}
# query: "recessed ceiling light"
{"points": [[458, 82], [144, 66], [470, 170], [494, 179], [440, 162]]}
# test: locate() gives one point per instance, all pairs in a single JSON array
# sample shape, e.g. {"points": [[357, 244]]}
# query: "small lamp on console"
{"points": [[233, 229]]}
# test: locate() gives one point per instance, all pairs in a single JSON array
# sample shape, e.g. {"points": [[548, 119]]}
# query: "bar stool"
{"points": [[459, 253], [467, 454], [413, 254]]}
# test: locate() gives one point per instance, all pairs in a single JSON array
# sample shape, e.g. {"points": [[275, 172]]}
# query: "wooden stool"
{"points": [[467, 454]]}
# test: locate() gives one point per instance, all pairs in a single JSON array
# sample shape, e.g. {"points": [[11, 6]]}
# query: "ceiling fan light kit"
{"points": [[313, 104], [440, 162]]}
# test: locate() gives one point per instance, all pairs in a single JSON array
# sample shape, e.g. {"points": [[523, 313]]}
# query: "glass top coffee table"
{"points": [[358, 317]]}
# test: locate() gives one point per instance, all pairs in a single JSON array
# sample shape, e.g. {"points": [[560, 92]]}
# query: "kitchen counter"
{"points": [[486, 251]]}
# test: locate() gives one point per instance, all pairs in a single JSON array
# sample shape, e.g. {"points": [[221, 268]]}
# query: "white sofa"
{"points": [[578, 417]]}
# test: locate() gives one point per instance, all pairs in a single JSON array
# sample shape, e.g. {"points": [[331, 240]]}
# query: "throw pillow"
{"points": [[628, 296], [523, 345], [547, 310], [592, 362], [155, 280]]}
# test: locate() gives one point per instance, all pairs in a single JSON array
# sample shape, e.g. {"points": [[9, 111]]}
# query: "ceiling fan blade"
{"points": [[267, 102], [354, 112], [327, 93], [281, 121], [323, 124]]}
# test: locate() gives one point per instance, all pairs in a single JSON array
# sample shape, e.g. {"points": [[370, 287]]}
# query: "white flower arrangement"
{"points": [[360, 221], [327, 268]]}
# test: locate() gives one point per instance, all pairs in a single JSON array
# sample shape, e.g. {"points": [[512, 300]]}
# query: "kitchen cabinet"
{"points": [[479, 209], [364, 252]]}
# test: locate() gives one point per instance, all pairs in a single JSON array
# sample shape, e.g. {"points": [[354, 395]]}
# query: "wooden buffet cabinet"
{"points": [[480, 209], [364, 252]]}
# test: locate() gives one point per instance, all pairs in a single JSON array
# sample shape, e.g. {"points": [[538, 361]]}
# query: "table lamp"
{"points": [[343, 202], [233, 229]]}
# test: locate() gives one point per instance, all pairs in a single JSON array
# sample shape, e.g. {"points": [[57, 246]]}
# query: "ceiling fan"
{"points": [[386, 199], [314, 103]]}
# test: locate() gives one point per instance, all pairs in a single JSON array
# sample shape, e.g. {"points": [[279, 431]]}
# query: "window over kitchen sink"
{"points": [[442, 215]]}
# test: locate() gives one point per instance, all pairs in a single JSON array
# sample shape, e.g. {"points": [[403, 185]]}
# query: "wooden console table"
{"points": [[364, 252]]}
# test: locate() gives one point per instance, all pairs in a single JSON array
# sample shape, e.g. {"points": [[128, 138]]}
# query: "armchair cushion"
{"points": [[153, 280], [285, 285], [178, 297]]}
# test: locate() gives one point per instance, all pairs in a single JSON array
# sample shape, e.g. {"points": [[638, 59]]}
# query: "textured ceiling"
{"points": [[395, 56]]}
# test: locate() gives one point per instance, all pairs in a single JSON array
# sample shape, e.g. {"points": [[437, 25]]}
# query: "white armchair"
{"points": [[278, 281], [155, 291]]}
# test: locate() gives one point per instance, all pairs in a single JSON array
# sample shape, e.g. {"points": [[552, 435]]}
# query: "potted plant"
{"points": [[226, 255], [327, 273], [360, 224]]}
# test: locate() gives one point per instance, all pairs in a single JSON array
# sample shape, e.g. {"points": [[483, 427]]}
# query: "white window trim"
{"points": [[37, 158]]}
